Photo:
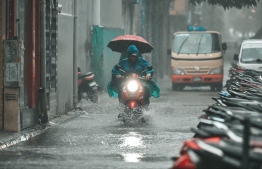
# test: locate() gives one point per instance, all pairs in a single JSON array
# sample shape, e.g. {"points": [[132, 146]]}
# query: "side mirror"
{"points": [[236, 57], [117, 67], [149, 67], [224, 46]]}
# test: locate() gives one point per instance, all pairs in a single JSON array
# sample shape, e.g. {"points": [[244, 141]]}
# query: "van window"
{"points": [[251, 55], [196, 43]]}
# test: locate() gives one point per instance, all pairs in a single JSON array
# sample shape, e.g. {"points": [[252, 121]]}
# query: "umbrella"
{"points": [[121, 43]]}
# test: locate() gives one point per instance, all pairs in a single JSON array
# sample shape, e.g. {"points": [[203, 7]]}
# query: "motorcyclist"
{"points": [[134, 63], [124, 55]]}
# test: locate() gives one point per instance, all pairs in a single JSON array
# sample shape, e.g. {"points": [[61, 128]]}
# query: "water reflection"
{"points": [[132, 157], [132, 140]]}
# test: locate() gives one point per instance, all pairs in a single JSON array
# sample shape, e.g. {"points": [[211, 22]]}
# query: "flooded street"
{"points": [[97, 139], [55, 52]]}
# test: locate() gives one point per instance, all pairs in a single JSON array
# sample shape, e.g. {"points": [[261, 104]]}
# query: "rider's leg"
{"points": [[147, 95]]}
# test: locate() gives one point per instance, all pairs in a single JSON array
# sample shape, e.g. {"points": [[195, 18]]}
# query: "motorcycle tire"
{"points": [[93, 96]]}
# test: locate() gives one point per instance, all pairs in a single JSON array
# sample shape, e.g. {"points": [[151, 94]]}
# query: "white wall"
{"points": [[111, 13], [64, 63], [110, 16]]}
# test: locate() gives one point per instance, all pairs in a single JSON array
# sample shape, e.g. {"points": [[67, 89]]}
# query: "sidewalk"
{"points": [[8, 138]]}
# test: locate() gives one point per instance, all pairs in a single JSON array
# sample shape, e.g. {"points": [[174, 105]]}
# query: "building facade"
{"points": [[45, 41]]}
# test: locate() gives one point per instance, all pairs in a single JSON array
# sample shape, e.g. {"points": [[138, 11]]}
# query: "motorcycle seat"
{"points": [[235, 150], [85, 75]]}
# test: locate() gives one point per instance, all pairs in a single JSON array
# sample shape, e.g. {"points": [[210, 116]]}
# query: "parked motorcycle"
{"points": [[87, 87], [229, 132], [231, 74], [133, 95], [223, 145]]}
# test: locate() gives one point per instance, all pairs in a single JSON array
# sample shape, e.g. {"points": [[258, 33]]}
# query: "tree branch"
{"points": [[226, 4]]}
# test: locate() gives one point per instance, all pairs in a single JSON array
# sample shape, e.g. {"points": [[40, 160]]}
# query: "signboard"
{"points": [[12, 72], [12, 63]]}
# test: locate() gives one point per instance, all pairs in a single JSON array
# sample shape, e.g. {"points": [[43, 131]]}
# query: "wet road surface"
{"points": [[98, 140]]}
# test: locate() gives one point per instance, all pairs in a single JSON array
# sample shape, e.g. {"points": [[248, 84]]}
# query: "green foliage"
{"points": [[228, 3]]}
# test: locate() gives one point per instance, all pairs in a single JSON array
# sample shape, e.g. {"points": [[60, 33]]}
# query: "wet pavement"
{"points": [[9, 138], [96, 139]]}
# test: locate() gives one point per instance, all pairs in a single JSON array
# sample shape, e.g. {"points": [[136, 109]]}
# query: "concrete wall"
{"points": [[64, 63], [84, 23], [110, 16], [113, 26]]}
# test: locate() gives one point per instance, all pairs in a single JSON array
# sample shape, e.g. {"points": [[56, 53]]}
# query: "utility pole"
{"points": [[96, 12]]}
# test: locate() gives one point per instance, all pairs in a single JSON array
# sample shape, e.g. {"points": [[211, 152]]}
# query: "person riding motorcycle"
{"points": [[134, 63]]}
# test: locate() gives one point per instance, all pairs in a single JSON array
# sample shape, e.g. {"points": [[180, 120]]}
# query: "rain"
{"points": [[95, 138]]}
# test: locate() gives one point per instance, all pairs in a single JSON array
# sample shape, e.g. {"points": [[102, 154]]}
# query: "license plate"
{"points": [[197, 79]]}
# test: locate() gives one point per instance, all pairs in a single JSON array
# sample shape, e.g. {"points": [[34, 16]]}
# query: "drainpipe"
{"points": [[11, 18], [42, 89], [43, 45], [37, 50], [75, 87], [2, 33], [29, 59]]}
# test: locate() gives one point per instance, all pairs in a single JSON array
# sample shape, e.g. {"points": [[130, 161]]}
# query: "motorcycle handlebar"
{"points": [[118, 67], [139, 77]]}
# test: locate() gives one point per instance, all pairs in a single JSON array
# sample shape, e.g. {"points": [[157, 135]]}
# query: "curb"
{"points": [[27, 134]]}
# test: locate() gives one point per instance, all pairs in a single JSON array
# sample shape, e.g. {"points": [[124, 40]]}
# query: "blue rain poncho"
{"points": [[129, 67]]}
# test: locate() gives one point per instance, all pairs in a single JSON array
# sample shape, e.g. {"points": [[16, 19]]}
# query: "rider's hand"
{"points": [[148, 76], [118, 76]]}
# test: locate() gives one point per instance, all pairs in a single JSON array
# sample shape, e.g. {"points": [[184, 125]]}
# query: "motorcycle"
{"points": [[87, 86], [133, 95], [232, 73], [222, 145], [228, 134]]}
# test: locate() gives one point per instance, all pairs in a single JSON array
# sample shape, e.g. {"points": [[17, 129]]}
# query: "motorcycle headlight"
{"points": [[132, 86], [178, 71], [217, 70]]}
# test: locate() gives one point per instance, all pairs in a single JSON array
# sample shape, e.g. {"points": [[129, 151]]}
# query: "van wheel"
{"points": [[216, 87], [213, 87], [181, 87], [174, 87], [177, 87], [219, 86]]}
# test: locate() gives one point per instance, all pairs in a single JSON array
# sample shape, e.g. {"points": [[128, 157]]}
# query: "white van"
{"points": [[250, 54]]}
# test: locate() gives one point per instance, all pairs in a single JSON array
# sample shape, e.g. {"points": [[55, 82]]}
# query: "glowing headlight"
{"points": [[178, 71], [217, 70], [132, 86]]}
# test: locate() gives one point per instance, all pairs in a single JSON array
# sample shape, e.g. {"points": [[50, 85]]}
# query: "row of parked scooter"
{"points": [[229, 133]]}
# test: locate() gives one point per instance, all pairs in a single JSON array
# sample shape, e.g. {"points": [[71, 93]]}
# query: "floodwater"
{"points": [[96, 139]]}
